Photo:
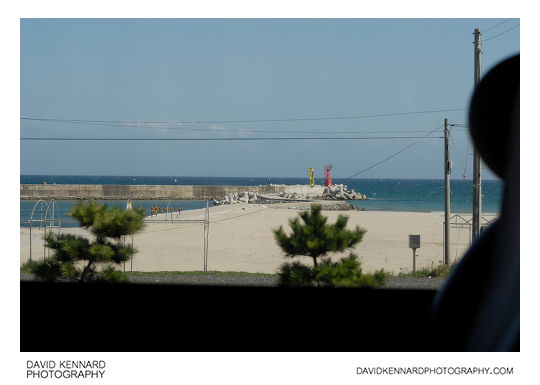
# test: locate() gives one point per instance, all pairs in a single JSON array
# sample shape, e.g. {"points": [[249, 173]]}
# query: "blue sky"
{"points": [[156, 70]]}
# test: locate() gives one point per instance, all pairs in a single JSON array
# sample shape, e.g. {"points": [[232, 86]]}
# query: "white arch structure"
{"points": [[49, 219]]}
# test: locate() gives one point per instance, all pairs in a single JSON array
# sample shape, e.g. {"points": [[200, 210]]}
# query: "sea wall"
{"points": [[147, 192]]}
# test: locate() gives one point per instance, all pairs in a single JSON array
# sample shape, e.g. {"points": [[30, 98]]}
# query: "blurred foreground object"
{"points": [[478, 308]]}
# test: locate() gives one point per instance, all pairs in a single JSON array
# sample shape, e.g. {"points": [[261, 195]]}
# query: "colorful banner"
{"points": [[311, 179]]}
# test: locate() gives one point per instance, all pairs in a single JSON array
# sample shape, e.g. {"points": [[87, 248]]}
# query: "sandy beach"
{"points": [[241, 239]]}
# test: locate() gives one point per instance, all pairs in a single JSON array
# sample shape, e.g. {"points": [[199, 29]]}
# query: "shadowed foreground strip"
{"points": [[202, 318]]}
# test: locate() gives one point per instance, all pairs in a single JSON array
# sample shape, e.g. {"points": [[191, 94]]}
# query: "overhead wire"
{"points": [[137, 124], [502, 33], [395, 154], [455, 147], [466, 155], [61, 120], [496, 25], [245, 131], [220, 139], [464, 163]]}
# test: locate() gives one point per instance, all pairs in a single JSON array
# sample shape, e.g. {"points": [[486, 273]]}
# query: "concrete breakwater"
{"points": [[146, 192]]}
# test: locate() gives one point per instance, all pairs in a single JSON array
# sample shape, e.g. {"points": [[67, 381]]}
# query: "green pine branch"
{"points": [[77, 258], [313, 237]]}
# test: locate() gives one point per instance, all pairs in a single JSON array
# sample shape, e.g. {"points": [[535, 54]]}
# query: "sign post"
{"points": [[414, 243]]}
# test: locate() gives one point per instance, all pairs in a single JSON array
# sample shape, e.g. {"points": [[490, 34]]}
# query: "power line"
{"points": [[466, 155], [225, 139], [496, 25], [458, 153], [502, 33], [382, 131], [59, 120], [395, 154]]}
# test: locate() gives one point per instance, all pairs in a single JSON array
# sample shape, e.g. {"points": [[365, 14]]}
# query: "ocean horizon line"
{"points": [[245, 177]]}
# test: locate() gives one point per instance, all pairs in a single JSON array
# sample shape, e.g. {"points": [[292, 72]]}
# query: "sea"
{"points": [[417, 195]]}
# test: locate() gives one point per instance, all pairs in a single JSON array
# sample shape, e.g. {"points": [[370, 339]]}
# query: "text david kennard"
{"points": [[65, 369]]}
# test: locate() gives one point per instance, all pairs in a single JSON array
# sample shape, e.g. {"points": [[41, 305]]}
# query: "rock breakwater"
{"points": [[299, 193]]}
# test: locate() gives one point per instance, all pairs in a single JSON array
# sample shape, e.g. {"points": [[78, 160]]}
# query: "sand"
{"points": [[241, 239]]}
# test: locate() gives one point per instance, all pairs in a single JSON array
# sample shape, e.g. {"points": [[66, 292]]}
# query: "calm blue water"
{"points": [[63, 207], [422, 195]]}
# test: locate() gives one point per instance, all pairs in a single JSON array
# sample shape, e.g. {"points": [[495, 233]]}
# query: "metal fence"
{"points": [[458, 221], [49, 219]]}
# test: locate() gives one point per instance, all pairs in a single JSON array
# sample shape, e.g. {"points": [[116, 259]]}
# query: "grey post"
{"points": [[414, 243], [44, 235], [206, 233], [131, 259], [447, 169], [30, 238], [123, 244], [477, 177]]}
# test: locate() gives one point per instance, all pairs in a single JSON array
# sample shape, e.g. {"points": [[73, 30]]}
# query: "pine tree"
{"points": [[77, 258], [315, 238]]}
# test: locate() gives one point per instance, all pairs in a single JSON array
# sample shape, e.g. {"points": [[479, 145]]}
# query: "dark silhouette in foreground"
{"points": [[478, 308]]}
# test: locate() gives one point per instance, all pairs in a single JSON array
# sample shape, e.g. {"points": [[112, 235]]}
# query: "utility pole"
{"points": [[447, 169], [477, 176]]}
